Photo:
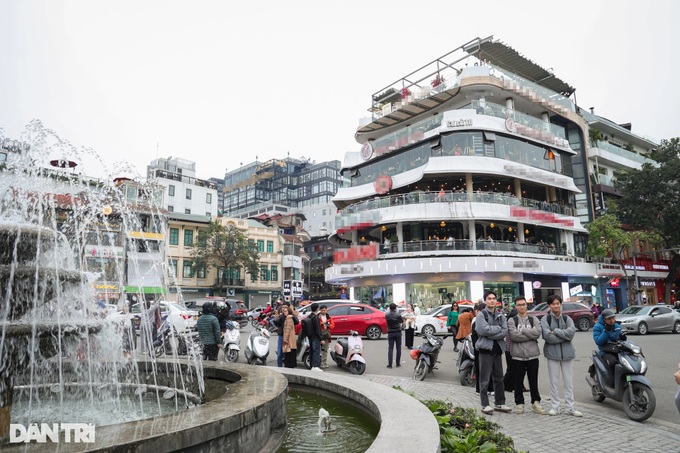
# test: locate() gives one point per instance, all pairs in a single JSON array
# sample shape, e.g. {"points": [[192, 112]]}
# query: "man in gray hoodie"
{"points": [[491, 328], [558, 331]]}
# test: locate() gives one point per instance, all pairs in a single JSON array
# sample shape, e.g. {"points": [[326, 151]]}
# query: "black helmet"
{"points": [[207, 307], [608, 313]]}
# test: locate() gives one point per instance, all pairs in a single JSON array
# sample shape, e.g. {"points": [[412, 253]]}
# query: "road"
{"points": [[660, 350]]}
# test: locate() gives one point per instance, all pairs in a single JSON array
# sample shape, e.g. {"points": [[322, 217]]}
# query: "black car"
{"points": [[238, 312]]}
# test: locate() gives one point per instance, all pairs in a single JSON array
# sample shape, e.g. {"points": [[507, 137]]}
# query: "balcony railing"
{"points": [[500, 111], [455, 197], [231, 282], [606, 146], [466, 245]]}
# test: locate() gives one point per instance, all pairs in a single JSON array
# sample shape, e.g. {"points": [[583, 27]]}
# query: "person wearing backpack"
{"points": [[492, 327], [525, 330], [558, 332]]}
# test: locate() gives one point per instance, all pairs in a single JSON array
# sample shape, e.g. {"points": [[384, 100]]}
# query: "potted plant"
{"points": [[438, 80], [405, 93]]}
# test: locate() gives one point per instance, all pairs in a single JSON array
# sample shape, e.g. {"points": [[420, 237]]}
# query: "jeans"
{"points": [[491, 367], [393, 340], [279, 352], [530, 368], [315, 346]]}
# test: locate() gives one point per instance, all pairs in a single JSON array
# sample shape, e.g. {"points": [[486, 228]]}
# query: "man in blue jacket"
{"points": [[607, 330]]}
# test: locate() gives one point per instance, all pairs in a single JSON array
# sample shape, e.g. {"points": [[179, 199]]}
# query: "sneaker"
{"points": [[502, 408], [536, 407], [552, 412], [455, 349], [573, 412], [398, 365], [487, 410], [519, 409], [389, 366], [316, 368]]}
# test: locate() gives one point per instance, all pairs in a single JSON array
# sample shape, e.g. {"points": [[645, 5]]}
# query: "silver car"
{"points": [[643, 318]]}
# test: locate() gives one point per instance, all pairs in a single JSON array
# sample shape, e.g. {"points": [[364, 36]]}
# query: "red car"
{"points": [[579, 313], [368, 321]]}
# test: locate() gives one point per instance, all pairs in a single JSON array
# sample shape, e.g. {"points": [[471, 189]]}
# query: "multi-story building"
{"points": [[185, 193], [284, 186], [475, 170]]}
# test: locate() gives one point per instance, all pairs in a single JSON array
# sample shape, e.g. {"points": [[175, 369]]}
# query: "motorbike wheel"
{"points": [[307, 360], [643, 404], [231, 355], [254, 322], [420, 370], [357, 367], [467, 378], [598, 396]]}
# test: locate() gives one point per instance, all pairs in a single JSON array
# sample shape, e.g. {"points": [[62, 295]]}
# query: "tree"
{"points": [[651, 200], [225, 247], [607, 239]]}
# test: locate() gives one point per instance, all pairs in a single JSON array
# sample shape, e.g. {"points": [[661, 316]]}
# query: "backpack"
{"points": [[531, 320], [564, 319], [474, 335]]}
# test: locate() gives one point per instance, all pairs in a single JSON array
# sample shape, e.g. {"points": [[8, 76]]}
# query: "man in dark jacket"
{"points": [[491, 327], [607, 330], [311, 328], [209, 332], [223, 315], [394, 321]]}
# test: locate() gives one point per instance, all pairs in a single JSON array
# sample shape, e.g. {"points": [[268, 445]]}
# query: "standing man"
{"points": [[209, 332], [327, 326], [525, 330], [558, 331], [394, 321], [491, 328], [312, 328]]}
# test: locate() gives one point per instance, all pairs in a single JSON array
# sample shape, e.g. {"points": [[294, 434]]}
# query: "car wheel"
{"points": [[676, 327], [583, 324], [373, 332], [642, 328], [428, 329]]}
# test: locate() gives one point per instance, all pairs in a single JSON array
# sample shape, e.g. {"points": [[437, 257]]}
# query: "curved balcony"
{"points": [[468, 245], [449, 197]]}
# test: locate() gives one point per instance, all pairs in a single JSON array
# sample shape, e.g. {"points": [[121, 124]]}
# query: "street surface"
{"points": [[661, 352]]}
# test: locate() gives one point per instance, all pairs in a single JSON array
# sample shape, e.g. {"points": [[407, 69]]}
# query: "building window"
{"points": [[188, 194], [251, 244], [188, 269], [171, 190], [200, 272], [171, 209], [260, 245], [174, 236], [187, 211], [264, 273], [208, 198], [207, 214], [270, 246], [188, 238], [202, 239], [275, 273], [173, 268]]}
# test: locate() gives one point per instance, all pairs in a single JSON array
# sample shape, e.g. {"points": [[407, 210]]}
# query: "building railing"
{"points": [[500, 111], [455, 197], [468, 245], [231, 282], [606, 146]]}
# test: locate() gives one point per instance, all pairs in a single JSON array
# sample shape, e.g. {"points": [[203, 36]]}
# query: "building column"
{"points": [[546, 118], [355, 238], [518, 188], [468, 186], [472, 234], [400, 235], [510, 103], [520, 232]]}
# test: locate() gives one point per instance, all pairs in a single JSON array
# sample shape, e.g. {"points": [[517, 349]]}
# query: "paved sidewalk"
{"points": [[596, 431]]}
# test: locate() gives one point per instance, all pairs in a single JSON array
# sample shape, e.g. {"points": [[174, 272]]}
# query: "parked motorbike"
{"points": [[350, 352], [304, 353], [169, 341], [426, 356], [466, 363], [232, 342], [257, 346], [626, 382]]}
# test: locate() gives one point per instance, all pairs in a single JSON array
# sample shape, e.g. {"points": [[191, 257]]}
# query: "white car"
{"points": [[255, 312], [180, 317], [434, 321]]}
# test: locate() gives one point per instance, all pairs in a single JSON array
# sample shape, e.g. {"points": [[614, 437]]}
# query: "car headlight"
{"points": [[626, 321], [626, 364]]}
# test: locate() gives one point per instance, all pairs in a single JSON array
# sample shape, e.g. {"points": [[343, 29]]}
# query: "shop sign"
{"points": [[536, 284], [650, 283], [528, 264], [575, 290], [101, 251], [608, 269], [660, 267], [458, 123], [105, 287], [383, 184], [367, 151], [637, 268]]}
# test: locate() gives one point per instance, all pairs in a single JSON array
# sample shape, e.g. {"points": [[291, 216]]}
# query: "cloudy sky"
{"points": [[221, 82]]}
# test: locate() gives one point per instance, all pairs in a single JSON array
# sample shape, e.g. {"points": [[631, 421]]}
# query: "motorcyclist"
{"points": [[222, 314], [607, 331]]}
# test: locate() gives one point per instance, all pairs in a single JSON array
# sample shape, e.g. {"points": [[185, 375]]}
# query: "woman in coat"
{"points": [[464, 324], [289, 346]]}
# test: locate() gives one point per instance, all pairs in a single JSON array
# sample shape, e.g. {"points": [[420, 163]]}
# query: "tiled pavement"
{"points": [[596, 431]]}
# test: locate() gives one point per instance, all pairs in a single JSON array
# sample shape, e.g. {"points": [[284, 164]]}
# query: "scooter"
{"points": [[466, 363], [232, 342], [626, 382], [304, 353], [426, 356], [257, 346], [350, 352], [170, 341]]}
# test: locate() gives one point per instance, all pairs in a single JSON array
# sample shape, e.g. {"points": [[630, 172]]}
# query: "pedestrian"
{"points": [[289, 346], [409, 319], [677, 394], [491, 327], [209, 332], [327, 324], [508, 381], [147, 325], [279, 321], [558, 333], [394, 322], [312, 329], [451, 324], [416, 310], [525, 330]]}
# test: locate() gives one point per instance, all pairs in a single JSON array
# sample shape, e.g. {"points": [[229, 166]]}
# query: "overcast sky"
{"points": [[220, 82]]}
